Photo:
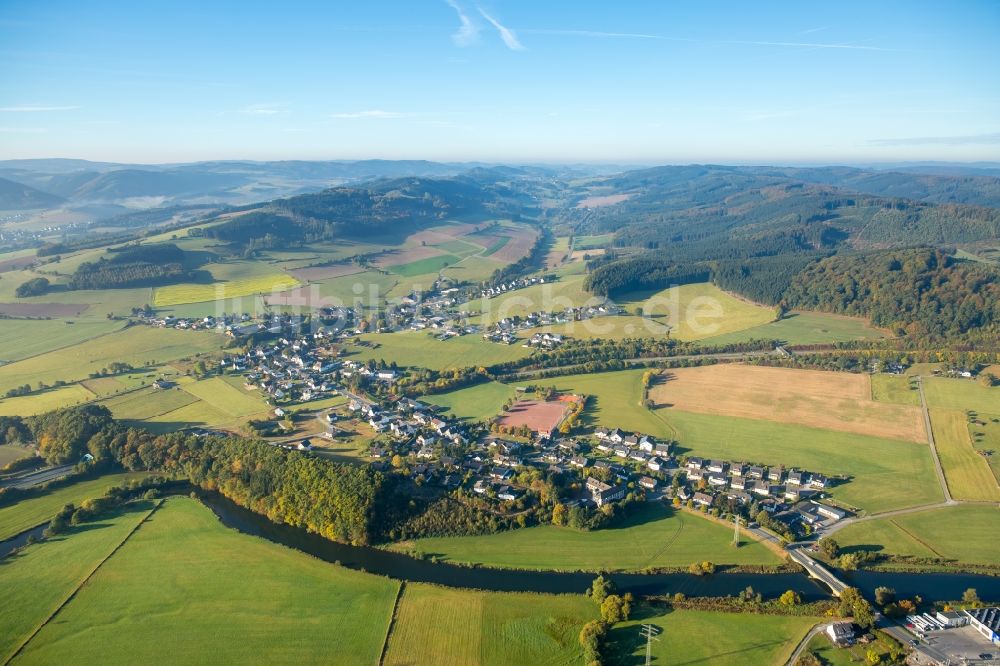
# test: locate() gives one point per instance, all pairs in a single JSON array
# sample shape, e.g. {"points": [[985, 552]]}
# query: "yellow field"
{"points": [[40, 403], [830, 400], [225, 397], [178, 294], [698, 311], [968, 474]]}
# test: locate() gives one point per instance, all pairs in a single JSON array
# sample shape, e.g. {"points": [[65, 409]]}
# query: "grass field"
{"points": [[231, 596], [968, 474], [21, 338], [137, 346], [693, 637], [884, 474], [33, 511], [966, 534], [421, 349], [804, 328], [437, 625], [177, 294], [697, 311], [985, 434], [589, 242], [478, 402], [147, 403], [424, 266], [897, 389], [616, 400], [655, 536], [42, 576], [961, 394], [197, 414], [225, 397], [46, 401], [9, 453], [831, 400]]}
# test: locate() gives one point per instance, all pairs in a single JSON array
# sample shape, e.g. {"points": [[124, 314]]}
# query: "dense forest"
{"points": [[342, 502], [638, 273], [133, 266], [920, 292]]}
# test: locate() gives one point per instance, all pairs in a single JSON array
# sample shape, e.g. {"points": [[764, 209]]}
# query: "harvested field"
{"points": [[17, 263], [339, 269], [540, 416], [607, 200], [406, 256], [442, 234], [830, 400], [517, 247], [42, 309]]}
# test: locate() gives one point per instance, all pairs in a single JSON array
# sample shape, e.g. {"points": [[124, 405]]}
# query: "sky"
{"points": [[501, 80]]}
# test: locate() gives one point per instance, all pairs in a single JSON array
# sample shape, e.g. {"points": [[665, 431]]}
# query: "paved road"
{"points": [[828, 531], [647, 359], [930, 440], [37, 478], [819, 628]]}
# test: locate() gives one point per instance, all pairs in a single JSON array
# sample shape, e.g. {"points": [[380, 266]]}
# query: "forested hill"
{"points": [[771, 236], [703, 208], [920, 293], [370, 208]]}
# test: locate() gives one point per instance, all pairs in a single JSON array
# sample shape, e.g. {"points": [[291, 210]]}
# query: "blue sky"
{"points": [[653, 82]]}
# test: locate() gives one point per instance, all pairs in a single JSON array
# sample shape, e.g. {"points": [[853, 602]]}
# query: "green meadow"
{"points": [[897, 389], [40, 578], [802, 328], [45, 401], [22, 338], [436, 625], [700, 637], [616, 400], [478, 402], [883, 474], [966, 534], [39, 508], [424, 266], [655, 536], [232, 596], [137, 345], [964, 394]]}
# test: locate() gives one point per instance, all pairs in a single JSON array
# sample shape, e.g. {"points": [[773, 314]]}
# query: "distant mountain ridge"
{"points": [[17, 196]]}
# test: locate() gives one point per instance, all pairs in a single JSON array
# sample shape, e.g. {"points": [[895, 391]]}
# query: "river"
{"points": [[403, 567]]}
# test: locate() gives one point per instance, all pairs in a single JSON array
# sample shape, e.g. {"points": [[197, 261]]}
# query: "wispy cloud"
{"points": [[960, 140], [23, 130], [812, 30], [468, 32], [36, 108], [263, 109], [374, 113], [506, 34]]}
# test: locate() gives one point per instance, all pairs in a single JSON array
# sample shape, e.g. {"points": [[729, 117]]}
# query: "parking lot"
{"points": [[961, 645]]}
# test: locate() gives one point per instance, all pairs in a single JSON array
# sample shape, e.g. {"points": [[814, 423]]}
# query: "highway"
{"points": [[33, 479]]}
